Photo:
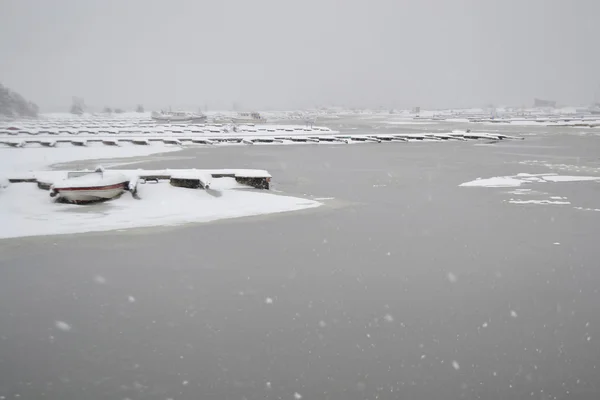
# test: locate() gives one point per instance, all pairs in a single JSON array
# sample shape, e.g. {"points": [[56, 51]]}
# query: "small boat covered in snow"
{"points": [[85, 187]]}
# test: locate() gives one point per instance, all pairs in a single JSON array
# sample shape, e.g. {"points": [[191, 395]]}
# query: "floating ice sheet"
{"points": [[524, 178]]}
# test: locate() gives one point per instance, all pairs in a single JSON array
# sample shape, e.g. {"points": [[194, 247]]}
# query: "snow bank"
{"points": [[26, 210]]}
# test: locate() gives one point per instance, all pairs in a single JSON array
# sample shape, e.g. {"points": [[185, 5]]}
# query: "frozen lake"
{"points": [[403, 285]]}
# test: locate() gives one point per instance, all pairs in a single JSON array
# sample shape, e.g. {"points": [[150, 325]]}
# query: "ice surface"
{"points": [[26, 210], [524, 178], [498, 181], [559, 178], [35, 158], [513, 201]]}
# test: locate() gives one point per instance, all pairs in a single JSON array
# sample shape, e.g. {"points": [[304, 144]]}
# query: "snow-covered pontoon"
{"points": [[89, 186]]}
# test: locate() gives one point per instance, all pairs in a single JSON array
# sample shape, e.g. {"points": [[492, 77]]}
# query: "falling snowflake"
{"points": [[185, 383], [513, 314], [455, 365], [268, 385], [485, 325], [388, 317], [451, 277], [99, 279], [131, 299], [63, 326], [322, 324], [297, 396], [269, 300]]}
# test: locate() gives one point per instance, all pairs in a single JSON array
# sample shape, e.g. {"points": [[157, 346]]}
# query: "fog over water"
{"points": [[272, 54]]}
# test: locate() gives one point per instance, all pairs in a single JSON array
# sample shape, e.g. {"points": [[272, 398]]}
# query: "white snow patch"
{"points": [[27, 211], [555, 202], [324, 198], [63, 326], [524, 178], [498, 181], [567, 178], [586, 209], [520, 191]]}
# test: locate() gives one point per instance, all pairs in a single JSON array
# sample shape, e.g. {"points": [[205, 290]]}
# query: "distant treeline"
{"points": [[12, 104]]}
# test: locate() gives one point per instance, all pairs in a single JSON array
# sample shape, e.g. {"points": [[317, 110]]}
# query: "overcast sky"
{"points": [[281, 54]]}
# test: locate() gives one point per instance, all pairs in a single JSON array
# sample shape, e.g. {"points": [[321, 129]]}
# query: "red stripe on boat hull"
{"points": [[117, 186]]}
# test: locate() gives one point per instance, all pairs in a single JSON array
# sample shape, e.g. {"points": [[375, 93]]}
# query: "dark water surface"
{"points": [[405, 286]]}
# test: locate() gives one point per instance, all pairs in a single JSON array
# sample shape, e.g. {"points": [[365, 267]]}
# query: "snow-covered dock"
{"points": [[191, 178], [244, 139], [26, 211], [149, 197]]}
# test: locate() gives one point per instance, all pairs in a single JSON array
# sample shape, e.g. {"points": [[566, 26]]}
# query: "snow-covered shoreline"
{"points": [[26, 210]]}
